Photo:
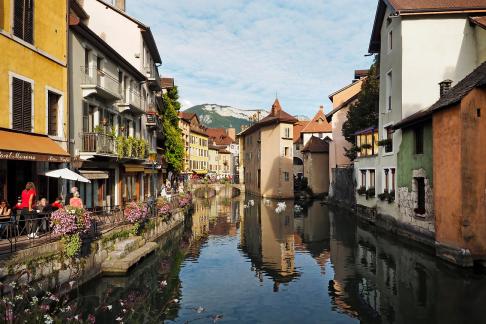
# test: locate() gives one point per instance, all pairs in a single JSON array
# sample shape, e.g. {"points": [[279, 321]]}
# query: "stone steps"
{"points": [[126, 253]]}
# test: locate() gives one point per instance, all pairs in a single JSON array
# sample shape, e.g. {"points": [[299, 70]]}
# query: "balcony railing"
{"points": [[98, 143], [101, 79]]}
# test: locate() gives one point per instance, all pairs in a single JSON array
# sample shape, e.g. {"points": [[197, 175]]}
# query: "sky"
{"points": [[244, 53]]}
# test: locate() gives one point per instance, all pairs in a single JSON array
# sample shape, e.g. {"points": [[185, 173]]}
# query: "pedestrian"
{"points": [[70, 195], [76, 201], [28, 203], [5, 216]]}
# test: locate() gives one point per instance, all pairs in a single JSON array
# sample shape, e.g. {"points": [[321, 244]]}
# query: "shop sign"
{"points": [[34, 157]]}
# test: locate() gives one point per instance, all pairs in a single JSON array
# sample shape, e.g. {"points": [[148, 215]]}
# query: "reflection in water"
{"points": [[251, 264]]}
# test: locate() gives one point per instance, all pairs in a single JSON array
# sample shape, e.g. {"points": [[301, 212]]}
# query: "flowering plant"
{"points": [[184, 200], [135, 213], [70, 222], [164, 208]]}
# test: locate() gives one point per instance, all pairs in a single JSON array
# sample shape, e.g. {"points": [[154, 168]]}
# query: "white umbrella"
{"points": [[66, 174]]}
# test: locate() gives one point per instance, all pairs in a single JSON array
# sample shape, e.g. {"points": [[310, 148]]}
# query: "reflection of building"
{"points": [[200, 218], [268, 239], [267, 153]]}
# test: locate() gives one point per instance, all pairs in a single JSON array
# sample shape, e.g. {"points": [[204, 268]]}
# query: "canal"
{"points": [[238, 260]]}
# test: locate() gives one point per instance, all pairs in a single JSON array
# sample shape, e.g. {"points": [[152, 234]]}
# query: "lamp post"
{"points": [[153, 160]]}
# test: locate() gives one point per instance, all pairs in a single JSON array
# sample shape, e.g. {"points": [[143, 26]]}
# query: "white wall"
{"points": [[307, 136]]}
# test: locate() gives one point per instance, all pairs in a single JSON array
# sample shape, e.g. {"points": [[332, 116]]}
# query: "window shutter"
{"points": [[27, 107], [29, 21], [17, 121], [18, 28]]}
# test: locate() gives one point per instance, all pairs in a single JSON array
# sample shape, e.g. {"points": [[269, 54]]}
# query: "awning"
{"points": [[134, 168], [30, 147], [94, 174], [200, 171], [150, 171]]}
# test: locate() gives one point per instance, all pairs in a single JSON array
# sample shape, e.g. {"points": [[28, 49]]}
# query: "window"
{"points": [[259, 178], [389, 81], [363, 178], [320, 135], [53, 100], [389, 138], [286, 176], [23, 24], [287, 132], [372, 178], [420, 196], [390, 41], [21, 105], [419, 140], [286, 151]]}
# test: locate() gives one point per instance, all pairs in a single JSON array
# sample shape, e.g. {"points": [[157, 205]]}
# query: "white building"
{"points": [[420, 44]]}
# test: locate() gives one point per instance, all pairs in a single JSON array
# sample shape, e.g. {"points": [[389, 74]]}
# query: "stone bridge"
{"points": [[212, 189]]}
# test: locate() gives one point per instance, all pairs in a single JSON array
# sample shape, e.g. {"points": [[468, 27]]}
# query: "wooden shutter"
{"points": [[29, 21], [21, 105], [17, 102], [52, 113], [19, 9]]}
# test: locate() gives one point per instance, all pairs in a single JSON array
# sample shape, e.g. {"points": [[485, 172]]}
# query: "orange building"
{"points": [[459, 169]]}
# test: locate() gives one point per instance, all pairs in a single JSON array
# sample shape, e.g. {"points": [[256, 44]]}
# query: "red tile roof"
{"points": [[318, 124], [298, 127], [276, 116], [186, 116], [316, 145], [219, 136]]}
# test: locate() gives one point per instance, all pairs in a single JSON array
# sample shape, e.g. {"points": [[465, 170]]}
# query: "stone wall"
{"points": [[46, 266], [343, 187], [408, 202]]}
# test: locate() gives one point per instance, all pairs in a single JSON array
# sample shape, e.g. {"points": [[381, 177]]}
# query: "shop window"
{"points": [[419, 140], [23, 24], [53, 100], [21, 105]]}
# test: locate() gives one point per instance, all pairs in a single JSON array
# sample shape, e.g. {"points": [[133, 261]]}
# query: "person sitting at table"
{"points": [[44, 209], [5, 216], [75, 201], [57, 204]]}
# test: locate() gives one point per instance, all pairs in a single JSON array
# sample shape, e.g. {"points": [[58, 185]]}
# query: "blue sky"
{"points": [[242, 52]]}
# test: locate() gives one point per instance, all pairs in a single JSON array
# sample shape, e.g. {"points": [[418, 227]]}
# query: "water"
{"points": [[251, 265]]}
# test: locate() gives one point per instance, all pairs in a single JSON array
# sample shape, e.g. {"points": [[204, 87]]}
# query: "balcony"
{"points": [[99, 83], [98, 144], [153, 121], [132, 101], [153, 78]]}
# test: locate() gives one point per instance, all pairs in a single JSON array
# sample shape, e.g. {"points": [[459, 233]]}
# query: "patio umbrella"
{"points": [[66, 174]]}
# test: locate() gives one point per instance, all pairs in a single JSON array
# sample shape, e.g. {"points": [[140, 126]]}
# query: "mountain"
{"points": [[215, 116]]}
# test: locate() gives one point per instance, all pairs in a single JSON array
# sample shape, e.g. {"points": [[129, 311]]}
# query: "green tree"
{"points": [[174, 145], [365, 111]]}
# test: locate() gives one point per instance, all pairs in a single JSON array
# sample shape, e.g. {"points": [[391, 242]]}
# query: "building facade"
{"points": [[33, 72], [318, 127], [266, 154], [198, 147], [316, 165]]}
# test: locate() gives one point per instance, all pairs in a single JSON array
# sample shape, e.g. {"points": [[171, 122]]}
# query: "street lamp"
{"points": [[153, 160]]}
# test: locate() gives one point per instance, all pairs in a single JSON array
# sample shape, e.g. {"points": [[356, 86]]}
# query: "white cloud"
{"points": [[241, 52]]}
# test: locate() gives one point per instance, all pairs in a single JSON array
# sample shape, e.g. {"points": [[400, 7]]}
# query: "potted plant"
{"points": [[383, 196], [370, 192], [391, 196], [361, 190]]}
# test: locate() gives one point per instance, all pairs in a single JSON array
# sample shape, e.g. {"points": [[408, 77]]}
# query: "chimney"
{"points": [[120, 5], [445, 86], [321, 108]]}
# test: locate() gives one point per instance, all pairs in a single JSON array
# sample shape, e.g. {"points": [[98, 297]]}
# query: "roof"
{"points": [[318, 124], [298, 127], [341, 106], [147, 35], [359, 74], [277, 115], [475, 79], [78, 9], [223, 151], [166, 83], [331, 96], [185, 116], [316, 145], [219, 136], [479, 21], [94, 39], [414, 7]]}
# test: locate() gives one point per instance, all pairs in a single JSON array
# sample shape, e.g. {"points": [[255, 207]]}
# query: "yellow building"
{"points": [[198, 147], [33, 95], [185, 126]]}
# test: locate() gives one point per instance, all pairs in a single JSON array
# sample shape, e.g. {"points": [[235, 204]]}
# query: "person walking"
{"points": [[76, 201], [28, 203]]}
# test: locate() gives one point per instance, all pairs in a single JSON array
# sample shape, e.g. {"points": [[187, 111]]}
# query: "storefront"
{"points": [[131, 182], [100, 192], [25, 158]]}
